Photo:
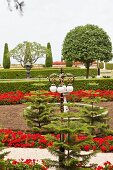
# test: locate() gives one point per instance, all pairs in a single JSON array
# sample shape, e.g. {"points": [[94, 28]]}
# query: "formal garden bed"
{"points": [[11, 138]]}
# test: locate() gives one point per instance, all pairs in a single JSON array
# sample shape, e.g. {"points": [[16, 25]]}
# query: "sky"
{"points": [[46, 21]]}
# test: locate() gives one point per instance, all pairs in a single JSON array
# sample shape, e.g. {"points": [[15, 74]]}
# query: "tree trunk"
{"points": [[87, 71]]}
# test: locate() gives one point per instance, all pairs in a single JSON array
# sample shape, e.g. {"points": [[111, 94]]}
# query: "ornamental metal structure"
{"points": [[62, 83]]}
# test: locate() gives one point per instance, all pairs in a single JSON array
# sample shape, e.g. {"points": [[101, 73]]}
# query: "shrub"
{"points": [[109, 66], [6, 58], [42, 73], [24, 86], [49, 60], [79, 84]]}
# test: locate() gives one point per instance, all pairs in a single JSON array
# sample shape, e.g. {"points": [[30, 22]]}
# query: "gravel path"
{"points": [[36, 153]]}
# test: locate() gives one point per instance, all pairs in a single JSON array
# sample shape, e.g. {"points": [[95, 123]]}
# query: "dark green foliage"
{"points": [[68, 147], [87, 44], [49, 59], [38, 112], [6, 58], [95, 116]]}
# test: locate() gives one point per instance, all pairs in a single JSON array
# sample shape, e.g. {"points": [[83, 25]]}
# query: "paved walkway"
{"points": [[36, 153]]}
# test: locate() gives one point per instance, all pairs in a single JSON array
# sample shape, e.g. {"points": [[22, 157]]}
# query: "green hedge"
{"points": [[79, 84], [102, 83], [109, 66], [25, 86], [42, 73]]}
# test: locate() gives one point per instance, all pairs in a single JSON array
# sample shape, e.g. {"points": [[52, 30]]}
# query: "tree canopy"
{"points": [[28, 51], [87, 44]]}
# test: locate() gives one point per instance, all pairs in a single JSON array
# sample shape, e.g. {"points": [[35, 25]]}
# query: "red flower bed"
{"points": [[107, 166], [76, 96], [11, 138], [22, 164], [12, 97], [19, 139], [58, 63]]}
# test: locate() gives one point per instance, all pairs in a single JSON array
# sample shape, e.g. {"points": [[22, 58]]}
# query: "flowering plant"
{"points": [[11, 138], [27, 164], [76, 96], [107, 166], [12, 97]]}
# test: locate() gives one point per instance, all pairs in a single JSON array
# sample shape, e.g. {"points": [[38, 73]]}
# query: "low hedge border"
{"points": [[86, 84], [43, 73], [79, 84], [23, 85]]}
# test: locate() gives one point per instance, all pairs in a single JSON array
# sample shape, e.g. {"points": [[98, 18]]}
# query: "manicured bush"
{"points": [[109, 66], [85, 84], [24, 86], [42, 73], [79, 84], [49, 59], [6, 58]]}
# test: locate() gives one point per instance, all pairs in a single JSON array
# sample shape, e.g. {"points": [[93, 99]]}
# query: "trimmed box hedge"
{"points": [[86, 84], [28, 85], [43, 73], [23, 85], [109, 66]]}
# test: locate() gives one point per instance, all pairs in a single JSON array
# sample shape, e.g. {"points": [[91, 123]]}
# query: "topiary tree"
{"points": [[28, 51], [6, 58], [87, 44], [49, 60]]}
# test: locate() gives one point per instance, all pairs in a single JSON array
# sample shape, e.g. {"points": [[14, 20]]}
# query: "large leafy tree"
{"points": [[6, 58], [87, 44], [49, 59], [28, 51]]}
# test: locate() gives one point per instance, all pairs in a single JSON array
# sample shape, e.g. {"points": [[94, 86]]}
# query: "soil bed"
{"points": [[11, 116]]}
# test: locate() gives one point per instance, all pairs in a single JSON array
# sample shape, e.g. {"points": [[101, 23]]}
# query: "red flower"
{"points": [[87, 147], [103, 148]]}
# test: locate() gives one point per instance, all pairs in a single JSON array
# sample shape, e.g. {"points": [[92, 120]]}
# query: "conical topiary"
{"points": [[6, 58], [49, 60]]}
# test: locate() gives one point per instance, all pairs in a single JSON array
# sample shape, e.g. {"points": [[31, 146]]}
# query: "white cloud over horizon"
{"points": [[49, 21]]}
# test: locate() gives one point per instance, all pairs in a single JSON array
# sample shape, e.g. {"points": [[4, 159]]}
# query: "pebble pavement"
{"points": [[38, 154]]}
